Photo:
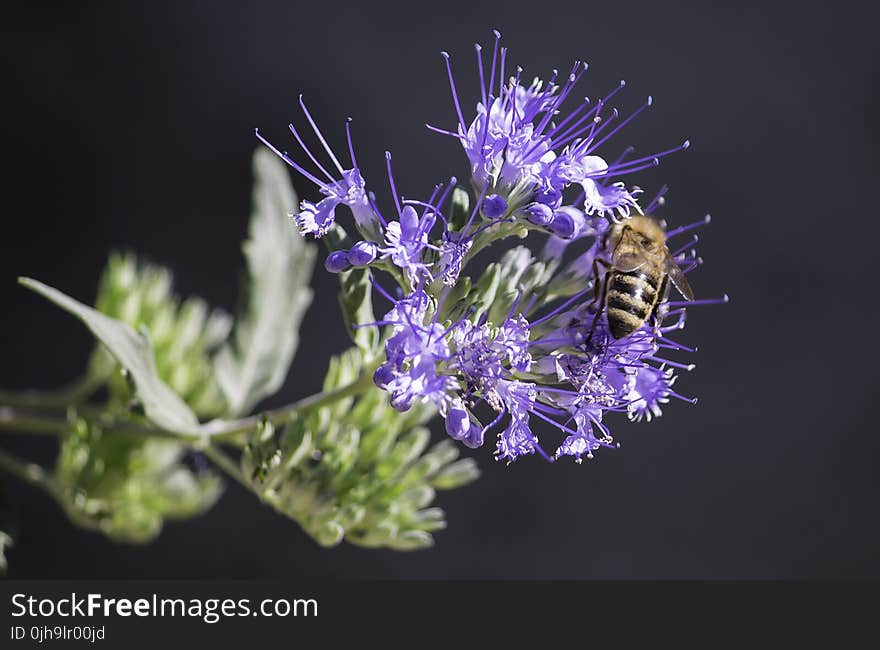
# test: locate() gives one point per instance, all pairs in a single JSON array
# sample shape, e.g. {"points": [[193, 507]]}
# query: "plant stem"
{"points": [[20, 421], [61, 398], [16, 420], [30, 473], [224, 462], [223, 430]]}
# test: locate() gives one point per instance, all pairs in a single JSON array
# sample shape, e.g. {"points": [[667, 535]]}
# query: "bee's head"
{"points": [[644, 230]]}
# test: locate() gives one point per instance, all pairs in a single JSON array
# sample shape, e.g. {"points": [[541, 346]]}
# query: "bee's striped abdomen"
{"points": [[631, 299]]}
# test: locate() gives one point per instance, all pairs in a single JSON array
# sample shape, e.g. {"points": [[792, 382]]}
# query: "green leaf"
{"points": [[255, 362], [184, 334], [355, 298], [133, 350], [459, 210], [520, 273]]}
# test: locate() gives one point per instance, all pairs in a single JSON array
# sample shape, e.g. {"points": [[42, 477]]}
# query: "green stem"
{"points": [[28, 472], [61, 398], [20, 421], [224, 430], [224, 462]]}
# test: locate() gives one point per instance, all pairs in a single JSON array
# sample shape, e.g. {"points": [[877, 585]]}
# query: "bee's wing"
{"points": [[627, 254], [679, 279], [626, 262]]}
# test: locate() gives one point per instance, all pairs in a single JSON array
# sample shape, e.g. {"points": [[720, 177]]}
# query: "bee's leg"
{"points": [[662, 295], [597, 291], [599, 294]]}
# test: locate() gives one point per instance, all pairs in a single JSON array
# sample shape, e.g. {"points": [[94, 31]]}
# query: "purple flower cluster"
{"points": [[549, 355]]}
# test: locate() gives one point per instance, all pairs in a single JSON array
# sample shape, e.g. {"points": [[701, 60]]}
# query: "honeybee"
{"points": [[637, 275]]}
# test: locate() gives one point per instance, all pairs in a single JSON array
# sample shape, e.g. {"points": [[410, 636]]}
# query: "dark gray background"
{"points": [[132, 127]]}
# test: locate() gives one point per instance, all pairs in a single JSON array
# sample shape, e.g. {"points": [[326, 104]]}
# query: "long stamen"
{"points": [[378, 287], [391, 181], [576, 113], [569, 85], [309, 153], [289, 160], [690, 266], [501, 73], [479, 49], [350, 145], [622, 157], [658, 200], [371, 198], [594, 112], [494, 59], [494, 422], [664, 342], [519, 295], [629, 119], [623, 168], [675, 364], [320, 135], [708, 301], [444, 131], [691, 400], [477, 206], [427, 206], [696, 224], [598, 125], [654, 162], [563, 306], [555, 423], [686, 247], [452, 182], [454, 92]]}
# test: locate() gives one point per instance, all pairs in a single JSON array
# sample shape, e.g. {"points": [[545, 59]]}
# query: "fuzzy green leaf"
{"points": [[356, 301], [256, 361], [134, 352], [184, 333], [459, 210]]}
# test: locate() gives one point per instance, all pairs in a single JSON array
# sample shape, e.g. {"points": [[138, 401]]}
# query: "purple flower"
{"points": [[362, 253], [524, 147], [517, 439], [405, 241], [494, 206], [344, 187], [549, 360], [337, 262], [452, 253], [316, 219], [413, 352]]}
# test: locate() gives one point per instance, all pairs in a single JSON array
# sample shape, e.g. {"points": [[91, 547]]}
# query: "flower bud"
{"points": [[550, 197], [494, 206], [457, 422], [337, 262], [383, 376], [539, 214], [563, 225], [362, 253]]}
